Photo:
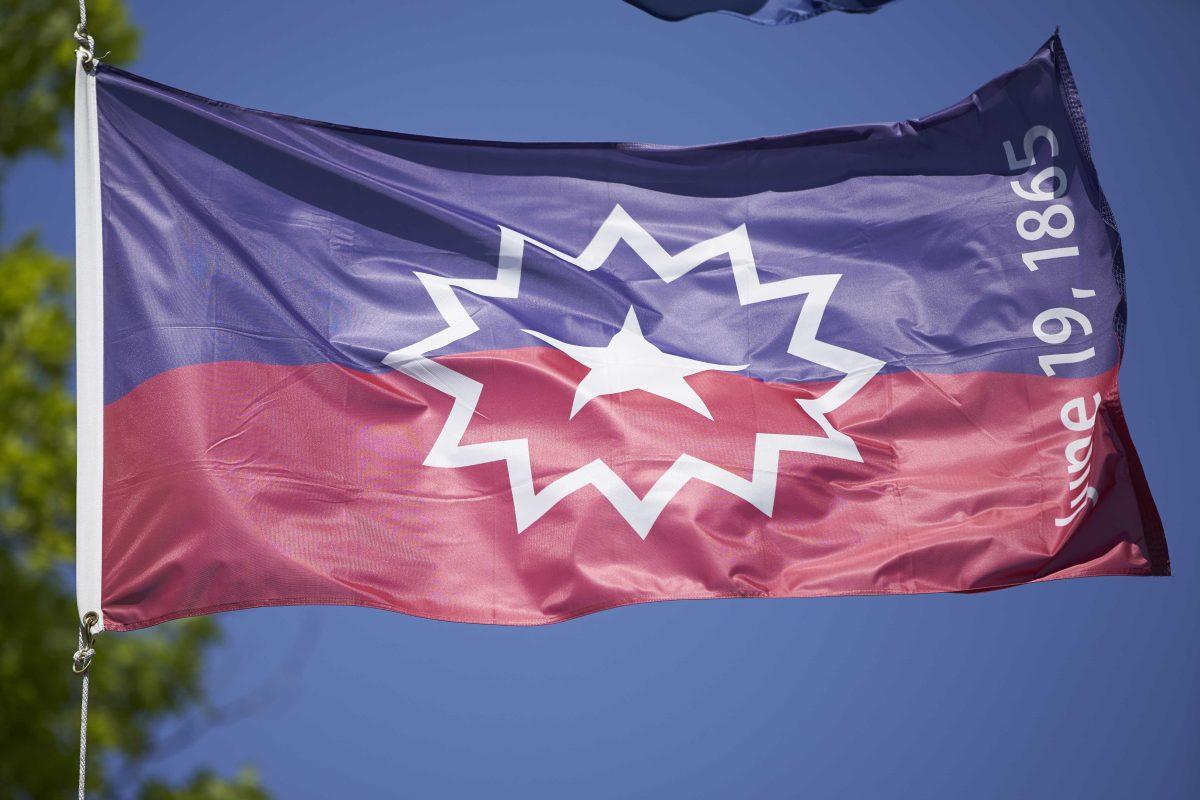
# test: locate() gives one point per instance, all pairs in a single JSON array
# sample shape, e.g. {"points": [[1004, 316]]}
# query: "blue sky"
{"points": [[1082, 688]]}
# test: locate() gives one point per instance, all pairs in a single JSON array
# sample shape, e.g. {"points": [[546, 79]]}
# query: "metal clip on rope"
{"points": [[82, 660], [87, 45]]}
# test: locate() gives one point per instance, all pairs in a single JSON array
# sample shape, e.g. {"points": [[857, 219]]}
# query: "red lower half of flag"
{"points": [[232, 485]]}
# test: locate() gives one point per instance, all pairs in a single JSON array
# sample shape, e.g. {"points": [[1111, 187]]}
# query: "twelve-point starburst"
{"points": [[530, 504]]}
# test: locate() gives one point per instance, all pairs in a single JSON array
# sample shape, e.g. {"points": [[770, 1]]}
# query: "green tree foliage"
{"points": [[142, 683], [206, 786], [37, 60]]}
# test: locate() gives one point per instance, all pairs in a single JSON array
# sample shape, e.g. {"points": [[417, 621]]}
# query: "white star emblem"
{"points": [[629, 362], [529, 503]]}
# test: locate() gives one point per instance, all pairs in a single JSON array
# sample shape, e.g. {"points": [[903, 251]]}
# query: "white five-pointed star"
{"points": [[631, 362]]}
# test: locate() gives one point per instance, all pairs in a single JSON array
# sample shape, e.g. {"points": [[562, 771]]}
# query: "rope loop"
{"points": [[87, 45], [82, 660]]}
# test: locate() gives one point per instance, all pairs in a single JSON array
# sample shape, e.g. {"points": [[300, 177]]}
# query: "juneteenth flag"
{"points": [[516, 383]]}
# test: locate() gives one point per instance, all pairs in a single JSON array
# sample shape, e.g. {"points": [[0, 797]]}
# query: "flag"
{"points": [[765, 12], [516, 383]]}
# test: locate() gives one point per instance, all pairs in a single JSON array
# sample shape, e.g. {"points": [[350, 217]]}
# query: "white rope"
{"points": [[83, 708], [81, 665]]}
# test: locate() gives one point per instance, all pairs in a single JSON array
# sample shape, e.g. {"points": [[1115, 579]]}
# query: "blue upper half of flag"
{"points": [[231, 234]]}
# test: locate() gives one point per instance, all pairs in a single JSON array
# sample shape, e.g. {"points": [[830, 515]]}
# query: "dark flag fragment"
{"points": [[764, 12]]}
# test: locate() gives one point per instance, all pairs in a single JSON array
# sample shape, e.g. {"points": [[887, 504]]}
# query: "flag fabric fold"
{"points": [[516, 383]]}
